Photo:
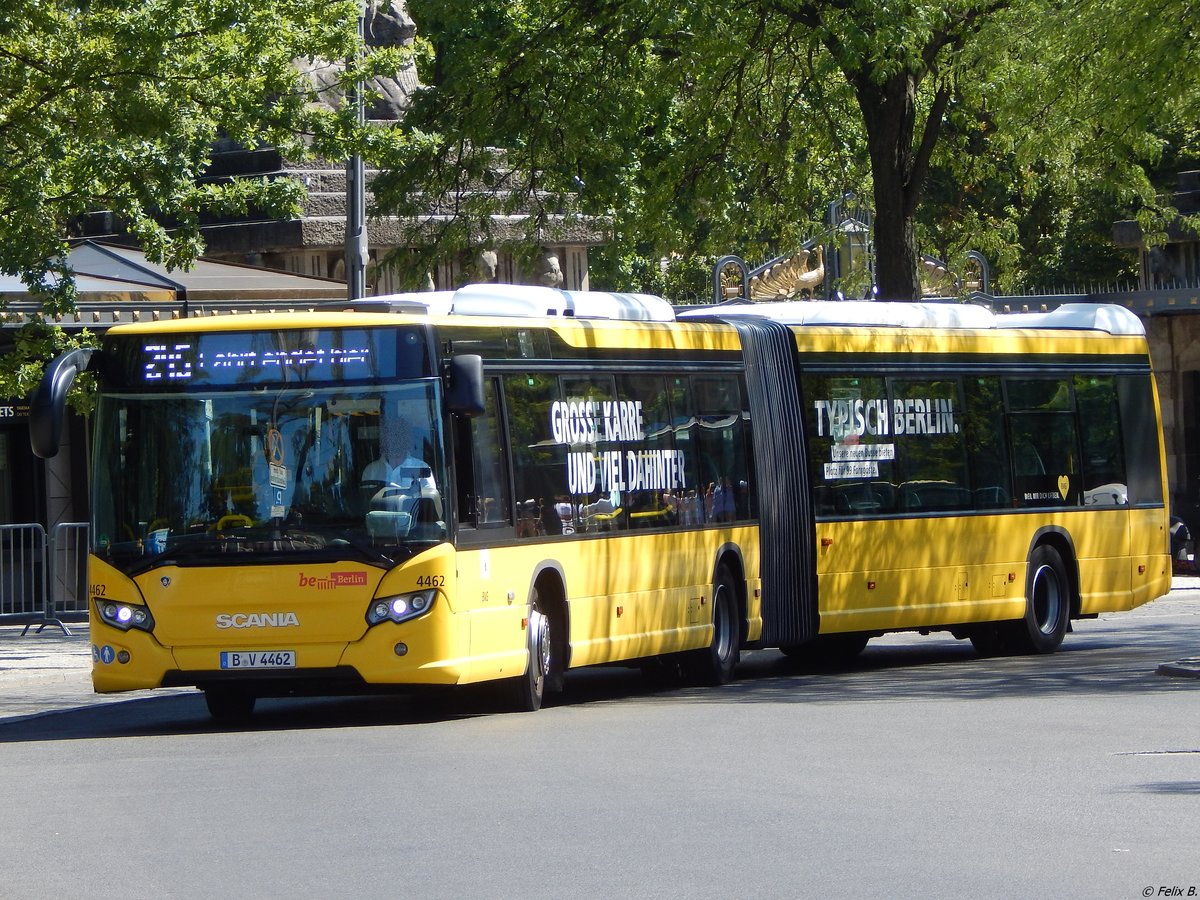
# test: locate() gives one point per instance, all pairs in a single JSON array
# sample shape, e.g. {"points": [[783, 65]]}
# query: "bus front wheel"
{"points": [[529, 690], [715, 663]]}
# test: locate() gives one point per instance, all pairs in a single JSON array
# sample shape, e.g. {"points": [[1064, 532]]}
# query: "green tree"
{"points": [[116, 105], [1087, 113], [697, 129], [1107, 108], [659, 120], [719, 127]]}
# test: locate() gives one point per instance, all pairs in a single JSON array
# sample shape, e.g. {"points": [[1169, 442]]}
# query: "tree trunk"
{"points": [[889, 112], [896, 271]]}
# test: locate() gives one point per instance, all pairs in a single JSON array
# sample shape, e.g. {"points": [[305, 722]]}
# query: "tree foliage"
{"points": [[635, 113], [34, 345], [117, 104], [730, 127]]}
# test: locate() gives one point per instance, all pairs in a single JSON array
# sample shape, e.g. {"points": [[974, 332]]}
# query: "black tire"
{"points": [[715, 664], [529, 690], [828, 649], [989, 639], [1047, 605], [662, 671], [229, 705]]}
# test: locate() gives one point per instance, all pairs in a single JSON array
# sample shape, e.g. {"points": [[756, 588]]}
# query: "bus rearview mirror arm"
{"points": [[49, 401], [464, 388]]}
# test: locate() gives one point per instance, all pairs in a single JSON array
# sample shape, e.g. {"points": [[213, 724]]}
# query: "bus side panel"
{"points": [[887, 574], [628, 596]]}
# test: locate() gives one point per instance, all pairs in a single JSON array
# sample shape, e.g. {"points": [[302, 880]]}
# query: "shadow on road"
{"points": [[891, 669]]}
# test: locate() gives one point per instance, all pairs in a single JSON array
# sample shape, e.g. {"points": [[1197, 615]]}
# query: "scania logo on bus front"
{"points": [[257, 620]]}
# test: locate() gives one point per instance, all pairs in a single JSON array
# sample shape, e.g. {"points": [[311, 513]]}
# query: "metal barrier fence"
{"points": [[43, 581]]}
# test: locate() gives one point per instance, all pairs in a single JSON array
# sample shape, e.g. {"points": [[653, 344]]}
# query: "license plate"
{"points": [[258, 659]]}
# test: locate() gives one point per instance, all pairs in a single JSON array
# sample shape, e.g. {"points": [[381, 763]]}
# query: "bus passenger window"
{"points": [[656, 477], [540, 471], [724, 470], [930, 446], [1045, 442], [1142, 436], [1104, 481], [851, 446], [987, 450]]}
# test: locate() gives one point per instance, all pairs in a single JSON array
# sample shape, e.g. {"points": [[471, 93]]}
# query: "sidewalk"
{"points": [[50, 671], [46, 672]]}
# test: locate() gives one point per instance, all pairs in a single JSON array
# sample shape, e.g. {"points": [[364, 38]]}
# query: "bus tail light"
{"points": [[400, 608]]}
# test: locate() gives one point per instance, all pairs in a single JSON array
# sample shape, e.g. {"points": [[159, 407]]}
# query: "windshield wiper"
{"points": [[372, 554]]}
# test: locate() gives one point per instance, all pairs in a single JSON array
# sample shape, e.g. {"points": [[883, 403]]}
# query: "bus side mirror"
{"points": [[464, 392], [49, 401]]}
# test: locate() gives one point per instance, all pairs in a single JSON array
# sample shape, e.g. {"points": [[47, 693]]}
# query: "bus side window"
{"points": [[483, 495], [930, 446], [539, 462], [724, 471], [987, 451], [655, 491], [684, 428], [1142, 434], [1103, 450], [852, 447], [1045, 442]]}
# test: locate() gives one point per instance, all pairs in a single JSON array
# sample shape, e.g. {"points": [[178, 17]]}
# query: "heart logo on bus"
{"points": [[1064, 484]]}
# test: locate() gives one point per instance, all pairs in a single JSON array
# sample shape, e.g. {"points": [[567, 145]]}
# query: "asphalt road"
{"points": [[921, 771]]}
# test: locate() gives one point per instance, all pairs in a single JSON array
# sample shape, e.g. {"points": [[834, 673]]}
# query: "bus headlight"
{"points": [[125, 615], [400, 608]]}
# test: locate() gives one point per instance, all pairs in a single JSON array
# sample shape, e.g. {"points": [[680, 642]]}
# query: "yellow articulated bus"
{"points": [[503, 483]]}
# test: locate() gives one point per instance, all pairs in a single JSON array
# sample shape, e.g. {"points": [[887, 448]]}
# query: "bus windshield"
{"points": [[289, 473]]}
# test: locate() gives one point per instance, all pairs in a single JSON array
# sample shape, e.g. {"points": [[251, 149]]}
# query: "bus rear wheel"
{"points": [[529, 690], [1047, 605], [989, 639], [1047, 612], [715, 664], [229, 705]]}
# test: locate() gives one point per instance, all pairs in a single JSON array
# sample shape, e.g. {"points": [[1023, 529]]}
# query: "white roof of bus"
{"points": [[525, 300], [1096, 316], [1086, 316]]}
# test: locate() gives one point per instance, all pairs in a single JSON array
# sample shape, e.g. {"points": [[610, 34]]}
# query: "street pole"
{"points": [[356, 224]]}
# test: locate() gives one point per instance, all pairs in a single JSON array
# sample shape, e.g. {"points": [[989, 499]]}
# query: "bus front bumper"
{"points": [[421, 652]]}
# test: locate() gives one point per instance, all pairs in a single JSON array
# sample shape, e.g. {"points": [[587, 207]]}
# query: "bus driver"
{"points": [[398, 463], [407, 504]]}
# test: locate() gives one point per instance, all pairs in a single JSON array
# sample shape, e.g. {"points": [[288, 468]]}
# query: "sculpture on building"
{"points": [[386, 24], [549, 272], [790, 278], [486, 268]]}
